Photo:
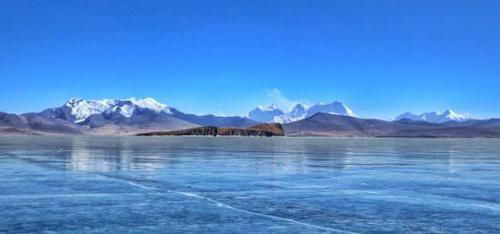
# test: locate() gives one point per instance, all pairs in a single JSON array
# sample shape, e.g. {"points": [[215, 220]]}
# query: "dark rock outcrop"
{"points": [[264, 130]]}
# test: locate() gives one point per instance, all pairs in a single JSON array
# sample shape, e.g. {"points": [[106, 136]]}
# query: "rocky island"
{"points": [[261, 130]]}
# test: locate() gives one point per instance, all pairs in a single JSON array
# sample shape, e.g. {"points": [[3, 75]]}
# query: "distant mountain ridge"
{"points": [[135, 116], [329, 125], [112, 117], [435, 117], [272, 114]]}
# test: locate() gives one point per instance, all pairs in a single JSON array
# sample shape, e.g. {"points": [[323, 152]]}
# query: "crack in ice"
{"points": [[274, 217]]}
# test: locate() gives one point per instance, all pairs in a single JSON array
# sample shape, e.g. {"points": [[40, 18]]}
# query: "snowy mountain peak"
{"points": [[265, 113], [81, 109], [435, 117], [149, 103], [271, 107], [300, 111], [336, 108], [456, 116], [449, 112]]}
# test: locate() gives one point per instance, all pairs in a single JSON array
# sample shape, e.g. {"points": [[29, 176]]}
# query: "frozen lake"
{"points": [[248, 185]]}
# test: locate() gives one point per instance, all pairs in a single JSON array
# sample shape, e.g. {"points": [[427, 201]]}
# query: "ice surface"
{"points": [[248, 185]]}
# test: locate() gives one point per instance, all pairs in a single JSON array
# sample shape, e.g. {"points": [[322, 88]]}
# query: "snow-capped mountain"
{"points": [[136, 116], [336, 108], [435, 117], [265, 113], [81, 109], [300, 111], [122, 116], [136, 112]]}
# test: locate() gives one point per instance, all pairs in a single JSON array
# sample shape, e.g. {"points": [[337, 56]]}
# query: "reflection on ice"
{"points": [[117, 156]]}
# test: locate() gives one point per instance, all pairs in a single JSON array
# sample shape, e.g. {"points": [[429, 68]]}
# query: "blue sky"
{"points": [[379, 57]]}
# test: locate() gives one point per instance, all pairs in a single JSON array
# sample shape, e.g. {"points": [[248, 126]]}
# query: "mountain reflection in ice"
{"points": [[115, 155], [129, 154]]}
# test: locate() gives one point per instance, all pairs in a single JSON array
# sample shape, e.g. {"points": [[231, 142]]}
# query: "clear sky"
{"points": [[380, 57]]}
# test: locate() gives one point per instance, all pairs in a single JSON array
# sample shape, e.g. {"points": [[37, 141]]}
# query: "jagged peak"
{"points": [[334, 107], [436, 117], [298, 112]]}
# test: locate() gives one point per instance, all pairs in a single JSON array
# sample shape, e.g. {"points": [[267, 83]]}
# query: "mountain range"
{"points": [[112, 117], [140, 116], [272, 114], [323, 124], [435, 117]]}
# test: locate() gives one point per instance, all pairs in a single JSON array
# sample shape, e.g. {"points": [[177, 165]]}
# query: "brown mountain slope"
{"points": [[323, 124]]}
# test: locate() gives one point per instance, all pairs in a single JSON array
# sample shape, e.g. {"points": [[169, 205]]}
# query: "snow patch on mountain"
{"points": [[82, 109]]}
